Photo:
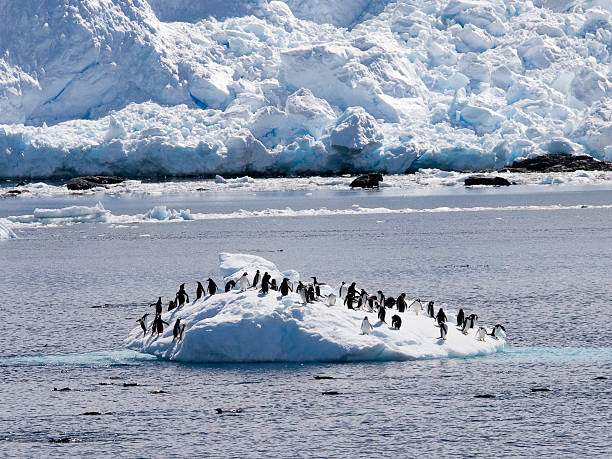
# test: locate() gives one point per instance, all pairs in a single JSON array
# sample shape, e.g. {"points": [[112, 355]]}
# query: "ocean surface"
{"points": [[71, 293]]}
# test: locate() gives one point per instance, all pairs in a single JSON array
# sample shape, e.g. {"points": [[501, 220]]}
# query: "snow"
{"points": [[173, 87], [252, 327], [6, 232]]}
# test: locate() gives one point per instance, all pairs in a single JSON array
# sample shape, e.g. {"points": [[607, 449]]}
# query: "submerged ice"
{"points": [[249, 326], [158, 88]]}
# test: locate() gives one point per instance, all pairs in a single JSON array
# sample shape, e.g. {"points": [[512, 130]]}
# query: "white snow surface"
{"points": [[173, 87], [6, 232], [252, 327]]}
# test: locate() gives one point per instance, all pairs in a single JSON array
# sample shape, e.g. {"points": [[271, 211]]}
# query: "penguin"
{"points": [[273, 285], [366, 326], [316, 286], [469, 322], [230, 285], [373, 302], [460, 317], [380, 297], [181, 333], [430, 309], [176, 330], [158, 306], [481, 333], [256, 278], [212, 287], [303, 295], [401, 303], [351, 289], [265, 283], [181, 295], [201, 291], [243, 282], [440, 316], [143, 324], [390, 302], [343, 290], [363, 299], [396, 321], [158, 325], [443, 331], [284, 287], [416, 306], [171, 305], [349, 299], [497, 331], [310, 294], [382, 311], [331, 299]]}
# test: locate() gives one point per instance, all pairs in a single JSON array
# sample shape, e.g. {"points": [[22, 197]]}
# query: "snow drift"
{"points": [[172, 87], [6, 232], [252, 327]]}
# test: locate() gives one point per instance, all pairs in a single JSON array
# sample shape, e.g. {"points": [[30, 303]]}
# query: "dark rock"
{"points": [[367, 181], [486, 180], [92, 181], [556, 162]]}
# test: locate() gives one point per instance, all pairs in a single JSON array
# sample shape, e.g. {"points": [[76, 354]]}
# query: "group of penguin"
{"points": [[310, 293]]}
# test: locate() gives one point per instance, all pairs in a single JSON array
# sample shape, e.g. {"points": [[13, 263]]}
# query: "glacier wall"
{"points": [[157, 88]]}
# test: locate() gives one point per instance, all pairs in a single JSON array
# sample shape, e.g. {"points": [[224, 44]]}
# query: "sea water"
{"points": [[71, 293]]}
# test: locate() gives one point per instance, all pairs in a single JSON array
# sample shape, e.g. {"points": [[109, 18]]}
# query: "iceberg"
{"points": [[249, 326], [6, 232]]}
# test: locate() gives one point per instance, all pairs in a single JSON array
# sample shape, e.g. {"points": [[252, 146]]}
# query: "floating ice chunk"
{"points": [[251, 327], [6, 232], [162, 213]]}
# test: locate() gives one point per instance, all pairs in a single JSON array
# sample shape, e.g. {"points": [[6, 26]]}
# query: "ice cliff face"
{"points": [[187, 88]]}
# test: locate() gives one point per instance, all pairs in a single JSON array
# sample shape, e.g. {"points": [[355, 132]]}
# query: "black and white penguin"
{"points": [[430, 309], [349, 299], [382, 312], [343, 290], [460, 317], [181, 295], [373, 302], [201, 291], [331, 299], [303, 294], [481, 333], [401, 303], [310, 294], [273, 285], [243, 282], [212, 287], [440, 316], [230, 285], [171, 305], [265, 283], [316, 286], [498, 331], [352, 289], [363, 299], [469, 322], [256, 278], [143, 323], [416, 306], [380, 297], [366, 326], [396, 321], [181, 333], [158, 306], [284, 287], [158, 325], [443, 330], [176, 330], [390, 302]]}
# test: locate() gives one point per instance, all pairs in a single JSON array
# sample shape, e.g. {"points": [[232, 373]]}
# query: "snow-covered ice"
{"points": [[6, 232], [252, 327], [158, 88]]}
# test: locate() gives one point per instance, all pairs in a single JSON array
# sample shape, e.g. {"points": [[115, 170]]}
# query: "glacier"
{"points": [[248, 326], [267, 88]]}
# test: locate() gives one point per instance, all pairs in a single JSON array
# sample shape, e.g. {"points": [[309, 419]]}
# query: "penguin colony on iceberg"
{"points": [[350, 296]]}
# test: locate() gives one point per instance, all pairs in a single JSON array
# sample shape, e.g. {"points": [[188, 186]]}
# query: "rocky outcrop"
{"points": [[486, 180], [367, 181], [556, 162], [92, 181]]}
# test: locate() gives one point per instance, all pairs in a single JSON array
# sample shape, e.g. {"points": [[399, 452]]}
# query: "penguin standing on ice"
{"points": [[349, 299], [469, 322], [380, 297], [401, 303], [230, 285], [316, 286], [143, 324], [284, 287], [181, 333], [158, 306], [416, 306], [430, 309], [460, 317], [212, 287], [440, 316], [382, 312], [396, 321], [331, 299], [498, 331], [181, 295], [390, 302], [443, 331], [171, 305], [265, 283], [176, 331], [201, 291], [343, 290], [351, 289], [363, 299], [481, 333], [273, 285], [366, 326], [243, 282], [303, 294], [310, 294], [256, 278], [158, 325]]}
